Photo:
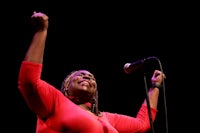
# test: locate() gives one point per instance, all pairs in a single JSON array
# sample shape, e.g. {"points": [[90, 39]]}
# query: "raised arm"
{"points": [[36, 50], [38, 94]]}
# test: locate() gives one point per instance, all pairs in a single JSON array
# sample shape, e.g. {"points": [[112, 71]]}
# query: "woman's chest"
{"points": [[79, 120]]}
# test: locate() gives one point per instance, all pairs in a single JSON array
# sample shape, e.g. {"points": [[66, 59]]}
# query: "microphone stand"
{"points": [[146, 89]]}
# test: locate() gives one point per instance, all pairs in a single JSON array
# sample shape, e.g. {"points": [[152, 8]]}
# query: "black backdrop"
{"points": [[102, 37]]}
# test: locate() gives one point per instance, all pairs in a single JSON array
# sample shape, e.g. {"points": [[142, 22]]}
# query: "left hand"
{"points": [[158, 77]]}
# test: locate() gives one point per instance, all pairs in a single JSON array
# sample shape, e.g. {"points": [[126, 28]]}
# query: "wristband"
{"points": [[154, 85]]}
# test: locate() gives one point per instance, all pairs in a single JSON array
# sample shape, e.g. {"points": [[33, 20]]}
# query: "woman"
{"points": [[74, 108]]}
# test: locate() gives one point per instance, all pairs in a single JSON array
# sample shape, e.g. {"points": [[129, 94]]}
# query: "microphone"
{"points": [[130, 67]]}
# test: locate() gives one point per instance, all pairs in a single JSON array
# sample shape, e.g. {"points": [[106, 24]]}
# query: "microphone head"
{"points": [[126, 68]]}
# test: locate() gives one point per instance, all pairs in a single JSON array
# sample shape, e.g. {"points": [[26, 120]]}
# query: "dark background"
{"points": [[102, 37]]}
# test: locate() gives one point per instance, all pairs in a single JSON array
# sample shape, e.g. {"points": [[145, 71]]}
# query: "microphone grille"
{"points": [[126, 67]]}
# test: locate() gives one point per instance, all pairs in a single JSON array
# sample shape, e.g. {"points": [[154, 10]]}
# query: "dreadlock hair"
{"points": [[94, 103]]}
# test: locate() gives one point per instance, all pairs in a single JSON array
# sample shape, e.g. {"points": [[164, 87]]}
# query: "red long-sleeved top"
{"points": [[57, 114]]}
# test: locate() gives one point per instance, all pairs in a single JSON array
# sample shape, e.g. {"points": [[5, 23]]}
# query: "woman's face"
{"points": [[82, 85]]}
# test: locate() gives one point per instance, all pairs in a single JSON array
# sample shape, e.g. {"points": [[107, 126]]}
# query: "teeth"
{"points": [[84, 83]]}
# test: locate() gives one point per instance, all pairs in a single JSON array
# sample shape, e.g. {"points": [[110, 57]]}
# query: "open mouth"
{"points": [[85, 83]]}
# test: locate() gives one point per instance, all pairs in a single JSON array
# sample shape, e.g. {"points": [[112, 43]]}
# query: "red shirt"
{"points": [[57, 114]]}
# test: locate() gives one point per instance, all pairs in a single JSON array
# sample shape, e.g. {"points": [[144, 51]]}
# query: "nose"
{"points": [[86, 77]]}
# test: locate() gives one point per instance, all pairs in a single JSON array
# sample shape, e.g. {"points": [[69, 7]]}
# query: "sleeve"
{"points": [[128, 124], [38, 94]]}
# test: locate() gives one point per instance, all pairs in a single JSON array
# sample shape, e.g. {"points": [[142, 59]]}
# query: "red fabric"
{"points": [[57, 114]]}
